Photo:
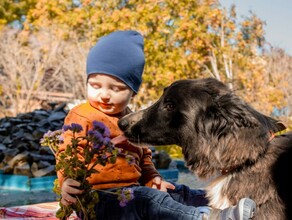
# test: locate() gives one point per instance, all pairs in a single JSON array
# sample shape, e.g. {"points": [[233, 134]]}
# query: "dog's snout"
{"points": [[123, 124], [128, 121]]}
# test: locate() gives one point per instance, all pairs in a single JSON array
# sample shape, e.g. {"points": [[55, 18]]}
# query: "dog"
{"points": [[223, 139]]}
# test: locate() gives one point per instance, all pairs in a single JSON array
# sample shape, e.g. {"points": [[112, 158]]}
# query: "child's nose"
{"points": [[105, 94]]}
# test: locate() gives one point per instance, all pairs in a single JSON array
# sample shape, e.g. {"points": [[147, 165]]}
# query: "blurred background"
{"points": [[44, 44]]}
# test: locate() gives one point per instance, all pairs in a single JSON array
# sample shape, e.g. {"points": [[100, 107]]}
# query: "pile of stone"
{"points": [[20, 149]]}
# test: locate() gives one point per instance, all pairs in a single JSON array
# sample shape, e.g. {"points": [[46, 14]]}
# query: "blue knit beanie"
{"points": [[119, 54]]}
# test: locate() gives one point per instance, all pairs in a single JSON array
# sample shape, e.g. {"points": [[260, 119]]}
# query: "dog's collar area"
{"points": [[230, 169], [236, 168], [272, 135]]}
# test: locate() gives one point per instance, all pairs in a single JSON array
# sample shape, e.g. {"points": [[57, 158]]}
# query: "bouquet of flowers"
{"points": [[97, 147]]}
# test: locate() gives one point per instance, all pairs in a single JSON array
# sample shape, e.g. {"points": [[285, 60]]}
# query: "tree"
{"points": [[278, 69], [236, 58], [38, 62], [183, 39], [14, 11]]}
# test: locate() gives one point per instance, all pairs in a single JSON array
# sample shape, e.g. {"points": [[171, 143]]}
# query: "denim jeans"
{"points": [[153, 204]]}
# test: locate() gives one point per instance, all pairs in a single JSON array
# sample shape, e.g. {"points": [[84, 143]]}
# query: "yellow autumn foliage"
{"points": [[183, 39]]}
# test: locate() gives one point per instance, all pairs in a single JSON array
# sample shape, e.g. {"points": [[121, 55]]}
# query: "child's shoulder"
{"points": [[85, 106], [87, 111], [81, 106]]}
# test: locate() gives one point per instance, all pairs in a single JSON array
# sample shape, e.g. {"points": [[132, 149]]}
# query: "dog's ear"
{"points": [[235, 110], [227, 112], [224, 107], [280, 126]]}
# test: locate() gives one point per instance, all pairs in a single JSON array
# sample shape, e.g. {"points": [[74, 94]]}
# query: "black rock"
{"points": [[20, 149]]}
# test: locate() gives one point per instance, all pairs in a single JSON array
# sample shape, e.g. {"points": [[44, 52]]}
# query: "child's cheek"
{"points": [[92, 94]]}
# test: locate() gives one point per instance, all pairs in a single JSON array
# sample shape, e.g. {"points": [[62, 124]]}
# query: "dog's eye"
{"points": [[169, 106]]}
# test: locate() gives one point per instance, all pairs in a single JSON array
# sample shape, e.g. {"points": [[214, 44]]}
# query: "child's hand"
{"points": [[119, 139], [158, 183], [68, 190]]}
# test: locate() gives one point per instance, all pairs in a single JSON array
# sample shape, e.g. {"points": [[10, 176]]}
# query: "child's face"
{"points": [[108, 94]]}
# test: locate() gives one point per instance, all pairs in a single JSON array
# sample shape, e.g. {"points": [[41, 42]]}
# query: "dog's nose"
{"points": [[123, 124]]}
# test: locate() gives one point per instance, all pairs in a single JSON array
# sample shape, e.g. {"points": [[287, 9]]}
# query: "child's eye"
{"points": [[94, 85], [116, 89], [119, 88]]}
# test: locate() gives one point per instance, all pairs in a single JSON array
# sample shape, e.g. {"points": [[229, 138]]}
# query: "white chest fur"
{"points": [[215, 191]]}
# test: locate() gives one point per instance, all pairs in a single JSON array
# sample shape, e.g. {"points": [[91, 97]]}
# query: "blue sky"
{"points": [[276, 14]]}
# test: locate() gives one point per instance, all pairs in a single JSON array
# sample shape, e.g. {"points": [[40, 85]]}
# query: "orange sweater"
{"points": [[121, 173]]}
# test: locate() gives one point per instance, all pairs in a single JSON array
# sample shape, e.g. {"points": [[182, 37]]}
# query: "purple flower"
{"points": [[60, 138], [106, 141], [104, 156], [104, 130], [53, 136], [96, 143], [74, 127], [125, 195], [98, 125], [42, 140], [66, 127], [49, 134], [96, 138], [130, 159]]}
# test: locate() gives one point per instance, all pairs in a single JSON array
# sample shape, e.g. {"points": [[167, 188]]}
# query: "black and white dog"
{"points": [[221, 137]]}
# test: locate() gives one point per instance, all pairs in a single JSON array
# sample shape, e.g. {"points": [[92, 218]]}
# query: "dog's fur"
{"points": [[221, 137]]}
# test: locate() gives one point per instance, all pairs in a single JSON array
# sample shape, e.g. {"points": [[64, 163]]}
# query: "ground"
{"points": [[15, 198]]}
